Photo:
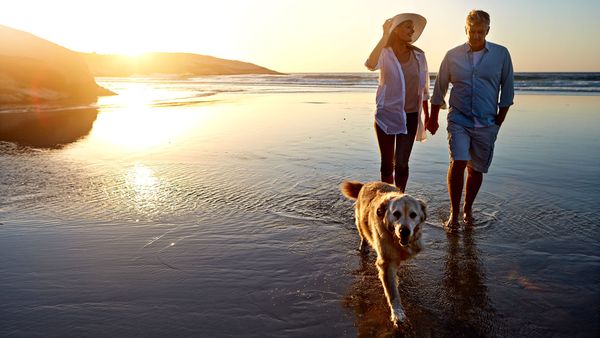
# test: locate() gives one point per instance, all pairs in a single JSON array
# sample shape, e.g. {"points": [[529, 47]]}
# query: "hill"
{"points": [[185, 64], [33, 69]]}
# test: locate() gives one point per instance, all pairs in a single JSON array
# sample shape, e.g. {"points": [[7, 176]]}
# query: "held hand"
{"points": [[499, 120], [501, 115], [432, 126]]}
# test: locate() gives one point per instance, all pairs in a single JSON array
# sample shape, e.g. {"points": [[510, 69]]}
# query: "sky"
{"points": [[311, 35]]}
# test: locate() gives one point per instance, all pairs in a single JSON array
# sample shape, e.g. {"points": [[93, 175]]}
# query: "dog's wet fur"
{"points": [[390, 222]]}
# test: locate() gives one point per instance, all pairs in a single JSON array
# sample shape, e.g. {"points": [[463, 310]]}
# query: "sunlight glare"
{"points": [[142, 177], [143, 184], [134, 123]]}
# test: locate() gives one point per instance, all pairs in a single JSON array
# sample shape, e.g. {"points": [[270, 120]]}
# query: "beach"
{"points": [[210, 207]]}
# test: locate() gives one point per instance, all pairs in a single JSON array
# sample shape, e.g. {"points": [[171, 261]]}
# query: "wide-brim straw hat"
{"points": [[418, 21]]}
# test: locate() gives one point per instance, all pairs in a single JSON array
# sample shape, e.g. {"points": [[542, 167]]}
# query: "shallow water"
{"points": [[181, 213]]}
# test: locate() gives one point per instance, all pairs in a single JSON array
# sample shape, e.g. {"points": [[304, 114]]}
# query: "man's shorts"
{"points": [[475, 145]]}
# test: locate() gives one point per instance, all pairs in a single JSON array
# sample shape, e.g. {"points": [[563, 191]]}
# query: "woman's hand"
{"points": [[432, 126], [386, 27], [432, 122]]}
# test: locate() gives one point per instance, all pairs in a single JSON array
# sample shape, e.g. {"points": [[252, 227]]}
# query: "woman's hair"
{"points": [[478, 16]]}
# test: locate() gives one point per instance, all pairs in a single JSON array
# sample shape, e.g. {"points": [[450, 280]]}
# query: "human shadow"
{"points": [[46, 128], [468, 309]]}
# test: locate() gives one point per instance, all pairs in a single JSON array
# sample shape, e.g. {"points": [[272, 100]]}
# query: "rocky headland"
{"points": [[34, 70], [182, 64]]}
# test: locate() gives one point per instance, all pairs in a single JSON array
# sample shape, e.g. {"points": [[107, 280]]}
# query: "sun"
{"points": [[134, 54]]}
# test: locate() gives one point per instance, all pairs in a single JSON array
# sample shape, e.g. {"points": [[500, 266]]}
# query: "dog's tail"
{"points": [[350, 189]]}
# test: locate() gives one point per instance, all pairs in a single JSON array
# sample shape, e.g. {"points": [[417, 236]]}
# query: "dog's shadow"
{"points": [[457, 304], [367, 300]]}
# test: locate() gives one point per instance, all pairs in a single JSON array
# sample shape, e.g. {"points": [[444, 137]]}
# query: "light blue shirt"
{"points": [[476, 89]]}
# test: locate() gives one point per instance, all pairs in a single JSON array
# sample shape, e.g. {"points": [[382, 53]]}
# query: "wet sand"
{"points": [[221, 216]]}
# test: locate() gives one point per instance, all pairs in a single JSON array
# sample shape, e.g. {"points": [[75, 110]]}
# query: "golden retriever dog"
{"points": [[390, 221]]}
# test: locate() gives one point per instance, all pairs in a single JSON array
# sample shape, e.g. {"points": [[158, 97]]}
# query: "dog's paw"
{"points": [[398, 317]]}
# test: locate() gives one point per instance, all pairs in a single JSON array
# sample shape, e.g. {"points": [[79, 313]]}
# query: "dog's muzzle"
{"points": [[404, 236]]}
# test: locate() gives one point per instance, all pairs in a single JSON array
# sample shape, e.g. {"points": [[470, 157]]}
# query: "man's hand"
{"points": [[432, 123], [499, 121], [501, 115]]}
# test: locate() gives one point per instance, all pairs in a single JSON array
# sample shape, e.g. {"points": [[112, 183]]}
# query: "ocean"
{"points": [[209, 206], [554, 83]]}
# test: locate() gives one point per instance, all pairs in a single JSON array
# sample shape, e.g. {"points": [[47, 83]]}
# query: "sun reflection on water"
{"points": [[143, 185], [133, 122], [141, 178]]}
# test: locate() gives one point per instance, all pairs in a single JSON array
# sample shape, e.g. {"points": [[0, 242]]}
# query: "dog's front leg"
{"points": [[388, 274], [362, 247]]}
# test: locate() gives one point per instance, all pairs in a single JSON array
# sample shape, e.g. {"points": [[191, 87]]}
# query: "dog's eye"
{"points": [[397, 214], [413, 215]]}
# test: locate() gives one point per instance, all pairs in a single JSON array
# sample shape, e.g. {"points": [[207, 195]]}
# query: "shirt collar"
{"points": [[486, 47]]}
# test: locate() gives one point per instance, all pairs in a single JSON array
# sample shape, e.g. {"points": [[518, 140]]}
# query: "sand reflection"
{"points": [[136, 119], [143, 189], [47, 128], [142, 180], [367, 301], [138, 129], [458, 304]]}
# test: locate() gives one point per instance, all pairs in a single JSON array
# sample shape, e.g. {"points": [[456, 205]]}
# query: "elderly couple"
{"points": [[481, 75]]}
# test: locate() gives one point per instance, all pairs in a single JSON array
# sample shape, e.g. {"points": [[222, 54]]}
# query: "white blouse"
{"points": [[390, 115]]}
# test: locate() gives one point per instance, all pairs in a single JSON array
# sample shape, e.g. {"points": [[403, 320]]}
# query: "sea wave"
{"points": [[527, 82]]}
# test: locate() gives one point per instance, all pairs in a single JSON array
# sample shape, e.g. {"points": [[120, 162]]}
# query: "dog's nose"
{"points": [[404, 233]]}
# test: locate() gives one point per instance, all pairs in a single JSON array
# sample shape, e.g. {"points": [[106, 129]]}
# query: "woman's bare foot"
{"points": [[452, 223]]}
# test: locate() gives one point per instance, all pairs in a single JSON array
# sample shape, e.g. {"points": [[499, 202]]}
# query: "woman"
{"points": [[403, 91]]}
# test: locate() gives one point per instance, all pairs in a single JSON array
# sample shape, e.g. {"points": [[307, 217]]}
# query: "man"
{"points": [[481, 73]]}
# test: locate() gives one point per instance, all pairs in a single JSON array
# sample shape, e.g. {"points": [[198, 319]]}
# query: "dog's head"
{"points": [[403, 215]]}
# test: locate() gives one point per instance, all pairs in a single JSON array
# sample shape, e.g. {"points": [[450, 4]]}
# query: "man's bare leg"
{"points": [[456, 178], [474, 180]]}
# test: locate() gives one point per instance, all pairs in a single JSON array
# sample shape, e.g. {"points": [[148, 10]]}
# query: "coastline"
{"points": [[226, 207]]}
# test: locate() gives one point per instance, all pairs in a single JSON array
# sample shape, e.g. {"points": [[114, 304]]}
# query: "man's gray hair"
{"points": [[478, 16]]}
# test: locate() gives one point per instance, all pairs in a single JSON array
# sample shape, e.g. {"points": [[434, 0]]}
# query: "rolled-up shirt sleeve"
{"points": [[441, 84], [369, 68], [379, 62], [507, 86]]}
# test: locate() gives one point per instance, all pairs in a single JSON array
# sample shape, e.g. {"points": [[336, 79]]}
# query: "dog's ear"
{"points": [[423, 210], [381, 209]]}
